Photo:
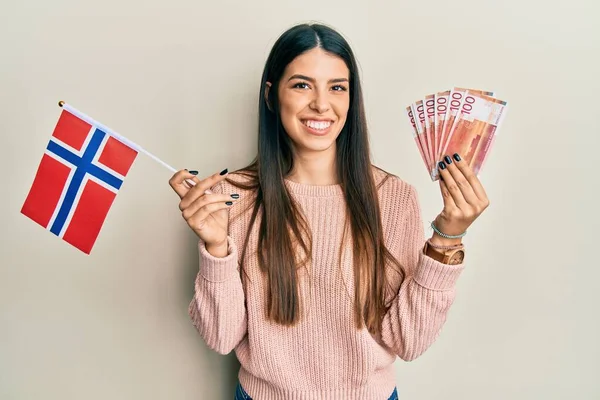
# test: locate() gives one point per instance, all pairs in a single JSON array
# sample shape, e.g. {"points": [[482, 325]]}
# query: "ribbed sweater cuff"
{"points": [[218, 269], [434, 275]]}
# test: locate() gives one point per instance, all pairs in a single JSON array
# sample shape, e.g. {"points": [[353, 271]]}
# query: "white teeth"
{"points": [[319, 125]]}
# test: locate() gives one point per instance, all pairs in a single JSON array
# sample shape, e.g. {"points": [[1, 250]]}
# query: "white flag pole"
{"points": [[109, 131]]}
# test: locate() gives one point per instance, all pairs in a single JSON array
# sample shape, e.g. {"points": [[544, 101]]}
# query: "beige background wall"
{"points": [[181, 78]]}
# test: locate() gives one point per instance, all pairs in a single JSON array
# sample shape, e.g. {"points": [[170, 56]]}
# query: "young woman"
{"points": [[314, 266]]}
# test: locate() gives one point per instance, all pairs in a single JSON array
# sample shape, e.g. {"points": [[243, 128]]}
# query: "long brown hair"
{"points": [[282, 225]]}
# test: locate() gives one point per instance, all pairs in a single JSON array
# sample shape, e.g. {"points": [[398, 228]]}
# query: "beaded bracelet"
{"points": [[447, 236]]}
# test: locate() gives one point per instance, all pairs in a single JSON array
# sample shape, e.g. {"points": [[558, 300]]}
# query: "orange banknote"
{"points": [[475, 128], [441, 106], [455, 101], [460, 120], [419, 113], [429, 113], [411, 118]]}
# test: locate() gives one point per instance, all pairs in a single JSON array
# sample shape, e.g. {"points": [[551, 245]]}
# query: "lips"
{"points": [[317, 125]]}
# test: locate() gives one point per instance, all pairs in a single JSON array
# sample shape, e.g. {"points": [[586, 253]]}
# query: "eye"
{"points": [[300, 85], [340, 88]]}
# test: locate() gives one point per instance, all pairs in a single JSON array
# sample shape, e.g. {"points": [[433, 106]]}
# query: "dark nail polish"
{"points": [[229, 203], [442, 165], [235, 196], [223, 172], [193, 172], [457, 157], [448, 160]]}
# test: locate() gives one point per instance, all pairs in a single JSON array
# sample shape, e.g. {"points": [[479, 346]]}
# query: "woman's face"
{"points": [[314, 97]]}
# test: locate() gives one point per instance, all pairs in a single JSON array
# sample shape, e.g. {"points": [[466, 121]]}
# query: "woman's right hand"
{"points": [[204, 211]]}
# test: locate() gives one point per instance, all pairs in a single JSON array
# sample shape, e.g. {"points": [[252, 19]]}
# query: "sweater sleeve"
{"points": [[426, 294], [218, 309]]}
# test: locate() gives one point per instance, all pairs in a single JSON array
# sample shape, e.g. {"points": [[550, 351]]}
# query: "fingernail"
{"points": [[229, 203], [442, 165], [235, 196], [223, 172], [448, 160], [193, 172], [457, 157]]}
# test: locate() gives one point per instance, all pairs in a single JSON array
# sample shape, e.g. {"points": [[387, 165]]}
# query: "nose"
{"points": [[319, 102]]}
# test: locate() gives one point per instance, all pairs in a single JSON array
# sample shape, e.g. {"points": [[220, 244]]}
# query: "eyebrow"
{"points": [[307, 78]]}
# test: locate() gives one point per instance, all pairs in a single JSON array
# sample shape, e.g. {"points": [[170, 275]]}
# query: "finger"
{"points": [[201, 187], [451, 186], [197, 219], [189, 183], [204, 201], [461, 181], [177, 181], [471, 177], [448, 200]]}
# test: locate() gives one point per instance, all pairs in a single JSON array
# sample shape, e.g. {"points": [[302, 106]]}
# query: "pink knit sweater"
{"points": [[324, 356]]}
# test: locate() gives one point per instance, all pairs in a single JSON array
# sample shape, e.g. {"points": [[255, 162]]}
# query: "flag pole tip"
{"points": [[61, 103]]}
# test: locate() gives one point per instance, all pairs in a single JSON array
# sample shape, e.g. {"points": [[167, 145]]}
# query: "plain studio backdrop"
{"points": [[180, 78]]}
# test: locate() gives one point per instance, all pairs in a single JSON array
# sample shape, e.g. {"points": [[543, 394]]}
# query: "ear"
{"points": [[267, 89]]}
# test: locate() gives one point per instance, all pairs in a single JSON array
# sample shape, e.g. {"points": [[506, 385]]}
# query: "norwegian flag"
{"points": [[77, 180]]}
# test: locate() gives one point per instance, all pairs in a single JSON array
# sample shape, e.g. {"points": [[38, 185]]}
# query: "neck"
{"points": [[315, 168]]}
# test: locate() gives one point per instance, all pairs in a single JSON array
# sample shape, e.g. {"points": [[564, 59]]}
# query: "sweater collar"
{"points": [[304, 189]]}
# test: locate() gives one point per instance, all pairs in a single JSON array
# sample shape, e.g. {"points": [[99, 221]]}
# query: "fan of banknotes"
{"points": [[463, 121]]}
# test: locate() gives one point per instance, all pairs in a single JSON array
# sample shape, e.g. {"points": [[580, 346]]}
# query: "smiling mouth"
{"points": [[317, 125]]}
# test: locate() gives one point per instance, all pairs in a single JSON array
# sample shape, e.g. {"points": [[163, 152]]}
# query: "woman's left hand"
{"points": [[463, 195]]}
